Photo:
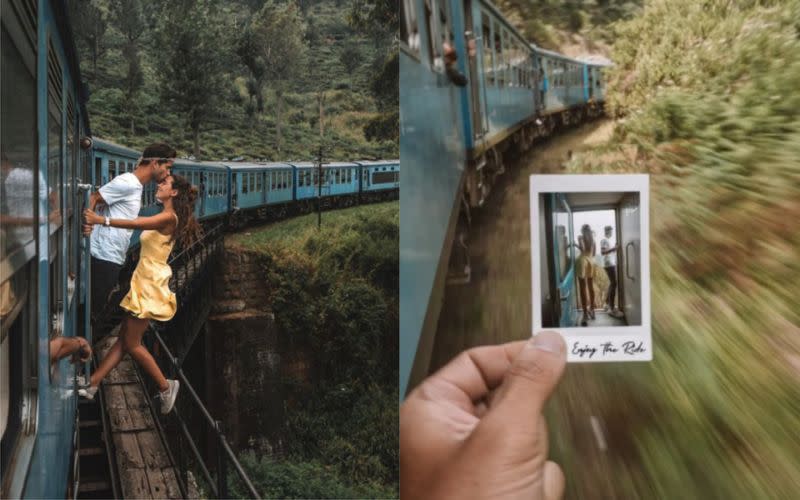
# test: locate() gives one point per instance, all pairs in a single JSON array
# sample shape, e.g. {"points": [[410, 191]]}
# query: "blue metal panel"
{"points": [[432, 156], [49, 468]]}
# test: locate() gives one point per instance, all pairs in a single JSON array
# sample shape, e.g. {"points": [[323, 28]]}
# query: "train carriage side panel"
{"points": [[383, 175], [432, 155], [44, 118], [508, 77]]}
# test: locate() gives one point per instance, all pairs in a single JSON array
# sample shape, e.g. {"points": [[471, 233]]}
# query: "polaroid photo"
{"points": [[590, 250]]}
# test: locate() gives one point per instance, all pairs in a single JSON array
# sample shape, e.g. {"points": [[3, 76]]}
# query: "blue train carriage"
{"points": [[380, 180], [571, 89], [261, 191], [46, 174], [339, 184], [434, 126], [213, 185], [111, 159]]}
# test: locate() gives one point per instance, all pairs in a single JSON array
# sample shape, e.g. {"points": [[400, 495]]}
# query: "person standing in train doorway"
{"points": [[610, 264], [121, 198]]}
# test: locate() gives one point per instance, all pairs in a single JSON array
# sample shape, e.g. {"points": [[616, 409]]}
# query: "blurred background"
{"points": [[704, 97]]}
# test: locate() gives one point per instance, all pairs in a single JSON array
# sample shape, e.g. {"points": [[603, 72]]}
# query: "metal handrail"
{"points": [[209, 234], [221, 490]]}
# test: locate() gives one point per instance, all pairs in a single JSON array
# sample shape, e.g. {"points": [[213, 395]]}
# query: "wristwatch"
{"points": [[107, 222]]}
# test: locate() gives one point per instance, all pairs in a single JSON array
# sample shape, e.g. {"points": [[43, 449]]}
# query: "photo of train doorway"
{"points": [[562, 216]]}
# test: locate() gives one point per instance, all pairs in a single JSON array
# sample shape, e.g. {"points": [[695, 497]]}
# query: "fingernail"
{"points": [[548, 341]]}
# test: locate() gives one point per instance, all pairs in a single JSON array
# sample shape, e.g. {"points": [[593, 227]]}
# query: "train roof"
{"points": [[367, 163], [271, 165], [496, 11], [333, 164], [113, 147], [556, 55], [185, 162]]}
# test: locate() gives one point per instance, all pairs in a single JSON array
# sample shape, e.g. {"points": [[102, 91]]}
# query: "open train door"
{"points": [[560, 299], [630, 233]]}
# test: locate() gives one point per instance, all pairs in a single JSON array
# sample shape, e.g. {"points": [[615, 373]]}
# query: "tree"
{"points": [[251, 56], [350, 57], [89, 27], [278, 34], [380, 20], [191, 62], [126, 15]]}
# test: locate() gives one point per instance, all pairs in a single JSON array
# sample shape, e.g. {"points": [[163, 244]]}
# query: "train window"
{"points": [[289, 179], [285, 179], [562, 225], [499, 56], [336, 176], [272, 180], [315, 177], [409, 31], [446, 31], [434, 49], [246, 183], [259, 177], [19, 154], [488, 54]]}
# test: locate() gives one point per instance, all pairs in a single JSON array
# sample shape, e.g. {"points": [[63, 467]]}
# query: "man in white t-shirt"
{"points": [[121, 198], [609, 254]]}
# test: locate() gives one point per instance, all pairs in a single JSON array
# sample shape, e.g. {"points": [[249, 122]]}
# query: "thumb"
{"points": [[530, 380]]}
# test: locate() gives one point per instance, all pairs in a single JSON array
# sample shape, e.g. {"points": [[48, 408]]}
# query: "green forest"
{"points": [[242, 79], [335, 293]]}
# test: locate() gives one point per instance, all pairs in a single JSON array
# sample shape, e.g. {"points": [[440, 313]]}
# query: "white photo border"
{"points": [[579, 342]]}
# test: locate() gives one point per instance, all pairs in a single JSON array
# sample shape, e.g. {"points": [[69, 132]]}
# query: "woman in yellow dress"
{"points": [[150, 296], [584, 270]]}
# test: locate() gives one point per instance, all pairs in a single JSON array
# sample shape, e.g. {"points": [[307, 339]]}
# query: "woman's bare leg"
{"points": [[133, 345], [590, 285], [582, 286], [111, 360]]}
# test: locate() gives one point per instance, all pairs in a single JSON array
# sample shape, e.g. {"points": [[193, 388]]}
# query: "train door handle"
{"points": [[627, 253], [564, 297], [83, 187]]}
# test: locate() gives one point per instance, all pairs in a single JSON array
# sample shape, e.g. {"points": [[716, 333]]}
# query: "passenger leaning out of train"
{"points": [[150, 297], [121, 198], [450, 58], [610, 264]]}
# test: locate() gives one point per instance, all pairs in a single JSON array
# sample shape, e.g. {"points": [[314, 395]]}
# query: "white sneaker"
{"points": [[617, 313], [88, 392], [169, 396]]}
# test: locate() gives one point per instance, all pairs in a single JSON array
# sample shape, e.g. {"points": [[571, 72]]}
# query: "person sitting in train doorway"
{"points": [[610, 264], [149, 297], [583, 270], [121, 198]]}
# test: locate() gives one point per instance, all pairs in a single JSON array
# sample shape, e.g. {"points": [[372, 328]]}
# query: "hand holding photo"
{"points": [[590, 250]]}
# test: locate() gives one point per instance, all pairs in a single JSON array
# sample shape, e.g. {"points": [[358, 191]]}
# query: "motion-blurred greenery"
{"points": [[335, 293], [708, 104]]}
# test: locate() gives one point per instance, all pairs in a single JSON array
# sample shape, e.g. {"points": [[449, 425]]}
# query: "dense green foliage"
{"points": [[709, 92], [552, 24], [226, 79], [335, 293]]}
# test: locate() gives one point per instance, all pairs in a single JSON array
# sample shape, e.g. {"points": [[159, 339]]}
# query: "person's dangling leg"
{"points": [[590, 286], [110, 361], [133, 345]]}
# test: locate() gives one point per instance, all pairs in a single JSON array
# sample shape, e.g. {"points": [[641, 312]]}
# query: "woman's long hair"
{"points": [[588, 239], [188, 230]]}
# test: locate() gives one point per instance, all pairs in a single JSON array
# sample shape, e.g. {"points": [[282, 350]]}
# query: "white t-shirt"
{"points": [[123, 199], [609, 259]]}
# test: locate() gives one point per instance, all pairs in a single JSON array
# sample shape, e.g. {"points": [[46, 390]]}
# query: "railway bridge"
{"points": [[127, 449]]}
